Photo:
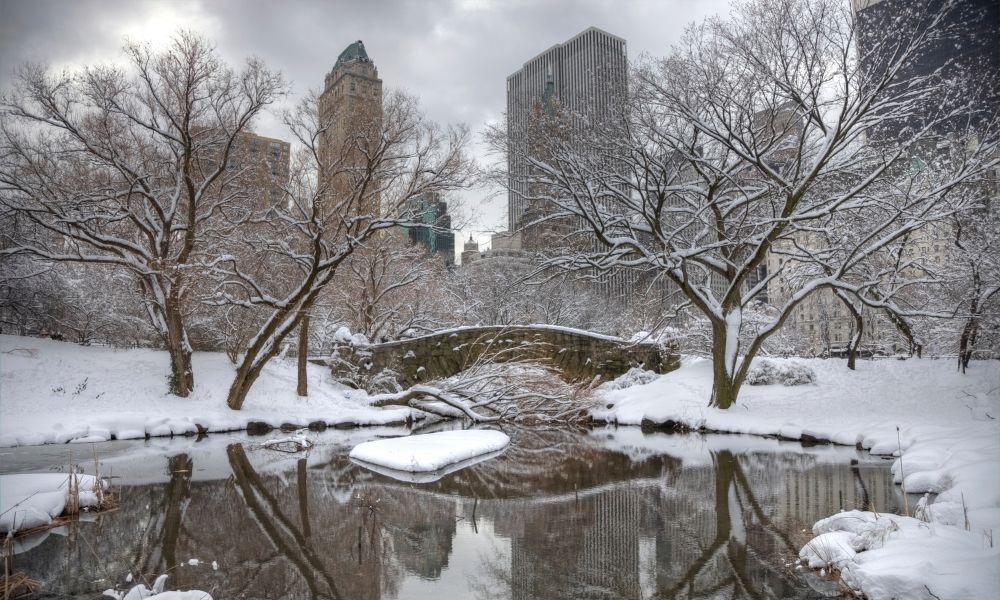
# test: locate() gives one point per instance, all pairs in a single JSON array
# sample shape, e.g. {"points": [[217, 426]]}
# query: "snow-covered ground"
{"points": [[941, 425], [56, 392], [430, 451]]}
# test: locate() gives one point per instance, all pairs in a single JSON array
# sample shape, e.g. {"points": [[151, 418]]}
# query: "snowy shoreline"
{"points": [[940, 425], [57, 392]]}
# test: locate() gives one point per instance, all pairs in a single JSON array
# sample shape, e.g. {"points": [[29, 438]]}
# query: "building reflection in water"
{"points": [[558, 515]]}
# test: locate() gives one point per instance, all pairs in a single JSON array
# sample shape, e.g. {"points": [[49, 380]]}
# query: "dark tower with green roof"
{"points": [[351, 103]]}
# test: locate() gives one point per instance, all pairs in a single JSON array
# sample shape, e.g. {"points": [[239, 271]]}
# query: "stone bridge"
{"points": [[577, 355]]}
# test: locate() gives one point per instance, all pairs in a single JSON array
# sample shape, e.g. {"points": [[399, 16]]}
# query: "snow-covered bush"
{"points": [[766, 372], [632, 377]]}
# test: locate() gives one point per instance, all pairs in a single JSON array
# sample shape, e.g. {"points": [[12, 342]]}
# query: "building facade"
{"points": [[585, 75], [963, 51], [434, 232], [351, 107]]}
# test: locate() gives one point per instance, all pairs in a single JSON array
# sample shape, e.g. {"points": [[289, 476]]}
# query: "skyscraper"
{"points": [[434, 232], [962, 49], [351, 103], [585, 76]]}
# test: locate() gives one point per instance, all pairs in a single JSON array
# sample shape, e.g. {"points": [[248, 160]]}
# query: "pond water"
{"points": [[608, 513]]}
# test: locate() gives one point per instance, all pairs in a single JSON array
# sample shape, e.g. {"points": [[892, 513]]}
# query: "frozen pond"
{"points": [[594, 514]]}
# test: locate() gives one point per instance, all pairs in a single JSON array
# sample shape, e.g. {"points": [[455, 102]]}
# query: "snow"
{"points": [[343, 335], [428, 476], [33, 499], [941, 425], [734, 321], [125, 397], [503, 328], [293, 443], [141, 592], [431, 451], [891, 556]]}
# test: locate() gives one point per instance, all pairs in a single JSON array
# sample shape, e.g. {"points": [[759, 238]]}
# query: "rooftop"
{"points": [[355, 51]]}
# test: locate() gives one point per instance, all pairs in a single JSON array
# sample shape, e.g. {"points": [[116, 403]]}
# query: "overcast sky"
{"points": [[454, 54]]}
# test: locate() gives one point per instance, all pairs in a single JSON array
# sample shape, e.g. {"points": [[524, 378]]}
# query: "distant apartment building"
{"points": [[270, 159], [966, 54], [258, 165]]}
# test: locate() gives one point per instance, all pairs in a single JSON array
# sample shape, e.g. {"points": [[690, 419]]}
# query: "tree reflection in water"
{"points": [[560, 514]]}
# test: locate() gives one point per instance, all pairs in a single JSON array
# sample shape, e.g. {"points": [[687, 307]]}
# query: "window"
{"points": [[254, 145], [275, 149]]}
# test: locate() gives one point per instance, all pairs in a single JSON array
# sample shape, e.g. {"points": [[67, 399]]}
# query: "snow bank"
{"points": [[431, 451], [890, 556], [941, 425], [56, 392], [33, 499]]}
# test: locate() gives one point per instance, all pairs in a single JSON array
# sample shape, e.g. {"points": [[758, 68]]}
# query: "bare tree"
{"points": [[976, 277], [338, 199], [122, 167], [746, 141], [390, 288]]}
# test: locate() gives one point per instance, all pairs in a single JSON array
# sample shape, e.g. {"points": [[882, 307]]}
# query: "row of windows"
{"points": [[587, 74]]}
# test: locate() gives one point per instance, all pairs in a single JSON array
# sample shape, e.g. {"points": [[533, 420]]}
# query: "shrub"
{"points": [[634, 376], [766, 372]]}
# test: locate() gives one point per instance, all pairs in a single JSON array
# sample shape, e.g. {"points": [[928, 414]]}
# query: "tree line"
{"points": [[779, 158]]}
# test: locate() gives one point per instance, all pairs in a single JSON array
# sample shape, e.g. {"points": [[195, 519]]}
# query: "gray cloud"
{"points": [[454, 54]]}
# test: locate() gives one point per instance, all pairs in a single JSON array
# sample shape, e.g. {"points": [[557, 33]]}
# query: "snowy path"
{"points": [[945, 425]]}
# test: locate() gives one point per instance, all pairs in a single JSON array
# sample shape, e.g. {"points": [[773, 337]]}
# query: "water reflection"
{"points": [[560, 514]]}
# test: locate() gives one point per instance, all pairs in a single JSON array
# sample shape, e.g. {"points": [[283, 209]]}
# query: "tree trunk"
{"points": [[965, 344], [246, 375], [181, 468], [855, 341], [181, 373], [267, 346], [303, 488], [724, 385], [303, 375], [968, 339]]}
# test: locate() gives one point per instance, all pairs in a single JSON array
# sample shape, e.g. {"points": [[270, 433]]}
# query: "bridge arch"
{"points": [[575, 354]]}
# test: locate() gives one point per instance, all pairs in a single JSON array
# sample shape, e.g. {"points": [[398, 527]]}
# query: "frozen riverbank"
{"points": [[940, 424], [56, 392]]}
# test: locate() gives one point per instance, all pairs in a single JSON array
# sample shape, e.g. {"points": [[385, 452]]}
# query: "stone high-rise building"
{"points": [[351, 103], [585, 76]]}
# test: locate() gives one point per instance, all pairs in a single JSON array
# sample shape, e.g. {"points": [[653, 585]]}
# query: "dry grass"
{"points": [[17, 585]]}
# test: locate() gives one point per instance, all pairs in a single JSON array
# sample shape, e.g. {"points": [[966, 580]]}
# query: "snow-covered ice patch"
{"points": [[428, 476], [295, 443], [141, 592], [430, 451], [33, 499]]}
